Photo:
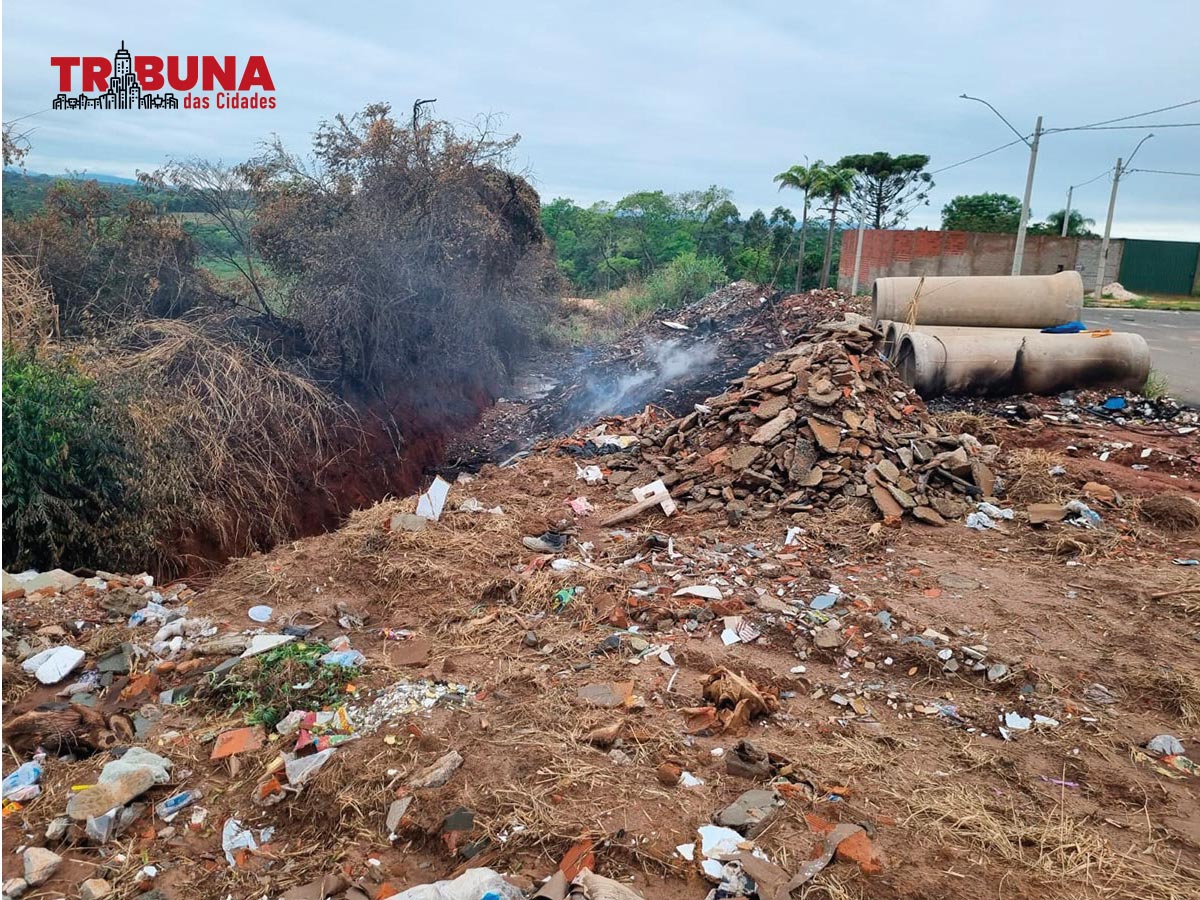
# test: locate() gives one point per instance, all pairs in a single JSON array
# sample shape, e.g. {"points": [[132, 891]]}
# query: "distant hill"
{"points": [[101, 177], [25, 192]]}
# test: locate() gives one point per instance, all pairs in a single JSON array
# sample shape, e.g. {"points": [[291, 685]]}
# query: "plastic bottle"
{"points": [[167, 809], [25, 775]]}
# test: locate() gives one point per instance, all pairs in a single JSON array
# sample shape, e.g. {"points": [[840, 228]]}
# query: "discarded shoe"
{"points": [[547, 542]]}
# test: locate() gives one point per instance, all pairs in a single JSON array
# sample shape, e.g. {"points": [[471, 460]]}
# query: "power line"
{"points": [[1165, 172], [1124, 127], [979, 156], [1134, 116], [1090, 180]]}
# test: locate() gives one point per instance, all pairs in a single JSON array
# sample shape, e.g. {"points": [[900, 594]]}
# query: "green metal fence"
{"points": [[1159, 267]]}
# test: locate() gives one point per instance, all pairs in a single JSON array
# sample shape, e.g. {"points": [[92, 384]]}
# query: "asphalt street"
{"points": [[1174, 339]]}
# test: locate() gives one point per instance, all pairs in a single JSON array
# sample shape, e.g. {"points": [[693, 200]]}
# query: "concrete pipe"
{"points": [[894, 331], [989, 362], [984, 301]]}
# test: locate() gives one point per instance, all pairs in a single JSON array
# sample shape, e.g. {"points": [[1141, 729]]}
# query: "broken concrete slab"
{"points": [[752, 812], [771, 430], [437, 773]]}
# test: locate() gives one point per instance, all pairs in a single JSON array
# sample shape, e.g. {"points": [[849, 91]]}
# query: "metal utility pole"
{"points": [[1067, 212], [862, 226], [1101, 263], [1103, 260], [1019, 252]]}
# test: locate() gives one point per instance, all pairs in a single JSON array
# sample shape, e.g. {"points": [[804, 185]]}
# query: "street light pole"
{"points": [[1103, 259], [1067, 212], [1019, 252], [1112, 205]]}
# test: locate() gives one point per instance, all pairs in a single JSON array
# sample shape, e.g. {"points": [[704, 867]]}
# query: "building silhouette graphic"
{"points": [[124, 91]]}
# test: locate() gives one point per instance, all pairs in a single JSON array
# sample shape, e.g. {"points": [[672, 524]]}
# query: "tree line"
{"points": [[1001, 214], [609, 245]]}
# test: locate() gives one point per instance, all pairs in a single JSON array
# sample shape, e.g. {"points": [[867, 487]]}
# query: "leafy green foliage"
{"points": [[68, 469], [25, 194], [292, 677], [686, 278], [994, 213], [607, 247], [1156, 386], [834, 183]]}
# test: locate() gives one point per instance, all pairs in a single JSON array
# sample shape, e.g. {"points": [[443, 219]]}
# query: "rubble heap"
{"points": [[817, 426]]}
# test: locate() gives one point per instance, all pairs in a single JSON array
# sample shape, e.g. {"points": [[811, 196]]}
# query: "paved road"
{"points": [[1174, 339]]}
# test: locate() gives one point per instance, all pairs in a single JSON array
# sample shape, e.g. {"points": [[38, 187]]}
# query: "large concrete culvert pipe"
{"points": [[982, 301], [894, 331], [990, 362]]}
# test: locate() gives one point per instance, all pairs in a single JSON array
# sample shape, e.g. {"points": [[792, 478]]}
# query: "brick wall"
{"points": [[892, 253]]}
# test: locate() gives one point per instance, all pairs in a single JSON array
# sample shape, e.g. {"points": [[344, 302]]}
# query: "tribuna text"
{"points": [[182, 73]]}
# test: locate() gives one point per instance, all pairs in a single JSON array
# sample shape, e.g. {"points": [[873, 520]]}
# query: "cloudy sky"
{"points": [[615, 97]]}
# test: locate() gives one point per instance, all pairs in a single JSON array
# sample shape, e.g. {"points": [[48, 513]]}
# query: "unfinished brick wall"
{"points": [[892, 253]]}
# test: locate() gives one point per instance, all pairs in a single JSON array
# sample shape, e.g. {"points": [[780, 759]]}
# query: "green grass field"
{"points": [[1179, 302]]}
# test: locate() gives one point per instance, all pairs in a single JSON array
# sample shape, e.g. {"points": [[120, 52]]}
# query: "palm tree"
{"points": [[1077, 225], [806, 179], [834, 184]]}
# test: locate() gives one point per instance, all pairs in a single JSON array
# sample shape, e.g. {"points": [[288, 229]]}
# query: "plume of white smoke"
{"points": [[666, 362]]}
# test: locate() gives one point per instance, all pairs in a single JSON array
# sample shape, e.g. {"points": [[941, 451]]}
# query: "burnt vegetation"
{"points": [[299, 323]]}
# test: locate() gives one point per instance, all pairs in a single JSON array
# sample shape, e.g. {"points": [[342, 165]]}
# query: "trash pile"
{"points": [[680, 356], [818, 426]]}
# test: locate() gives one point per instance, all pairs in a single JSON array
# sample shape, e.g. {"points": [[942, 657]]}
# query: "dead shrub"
{"points": [[1171, 512], [30, 316], [1030, 480], [983, 427], [415, 258], [230, 437]]}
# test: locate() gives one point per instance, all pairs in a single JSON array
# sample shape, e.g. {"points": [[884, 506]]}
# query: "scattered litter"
{"points": [[53, 665], [430, 503], [236, 840], [1165, 745], [581, 506], [1085, 516], [590, 474], [261, 643], [261, 614], [564, 596]]}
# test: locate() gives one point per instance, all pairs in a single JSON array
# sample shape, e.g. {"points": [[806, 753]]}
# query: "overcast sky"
{"points": [[615, 97]]}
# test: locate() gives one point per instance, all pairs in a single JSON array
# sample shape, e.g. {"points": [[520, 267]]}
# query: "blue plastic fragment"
{"points": [[823, 601], [1066, 328]]}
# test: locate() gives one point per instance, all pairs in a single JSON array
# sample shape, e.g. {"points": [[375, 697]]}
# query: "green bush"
{"points": [[686, 278], [69, 473]]}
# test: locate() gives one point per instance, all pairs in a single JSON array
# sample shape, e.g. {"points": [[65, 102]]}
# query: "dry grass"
{"points": [[1029, 478], [230, 435], [986, 428], [1064, 854], [1171, 689], [1172, 513], [30, 316]]}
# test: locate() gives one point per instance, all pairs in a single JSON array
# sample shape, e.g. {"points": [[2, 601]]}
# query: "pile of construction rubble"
{"points": [[817, 426]]}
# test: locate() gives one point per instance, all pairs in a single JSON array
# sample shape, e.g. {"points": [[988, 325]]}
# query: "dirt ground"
{"points": [[981, 711]]}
